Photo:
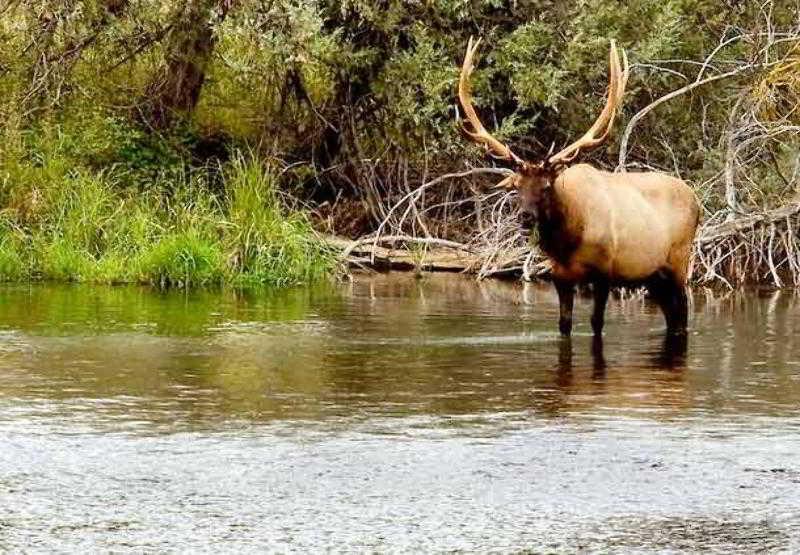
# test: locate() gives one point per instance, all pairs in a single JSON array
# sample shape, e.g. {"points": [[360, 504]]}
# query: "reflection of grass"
{"points": [[56, 309], [84, 226], [418, 253]]}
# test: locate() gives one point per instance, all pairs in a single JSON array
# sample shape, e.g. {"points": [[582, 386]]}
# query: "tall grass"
{"points": [[12, 267], [267, 244], [182, 258], [63, 219]]}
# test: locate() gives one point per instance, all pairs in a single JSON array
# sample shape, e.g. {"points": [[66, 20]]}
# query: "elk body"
{"points": [[607, 229]]}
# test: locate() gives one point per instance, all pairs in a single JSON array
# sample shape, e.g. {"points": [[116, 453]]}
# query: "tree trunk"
{"points": [[190, 44]]}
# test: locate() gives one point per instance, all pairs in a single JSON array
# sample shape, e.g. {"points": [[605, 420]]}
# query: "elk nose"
{"points": [[525, 220]]}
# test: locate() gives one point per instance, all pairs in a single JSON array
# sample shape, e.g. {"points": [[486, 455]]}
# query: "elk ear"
{"points": [[508, 183]]}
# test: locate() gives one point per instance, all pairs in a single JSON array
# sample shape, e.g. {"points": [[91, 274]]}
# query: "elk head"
{"points": [[532, 179]]}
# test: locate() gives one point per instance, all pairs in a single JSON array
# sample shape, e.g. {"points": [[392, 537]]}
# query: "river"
{"points": [[394, 414]]}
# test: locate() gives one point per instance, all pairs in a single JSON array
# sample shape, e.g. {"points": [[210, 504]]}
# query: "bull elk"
{"points": [[606, 229]]}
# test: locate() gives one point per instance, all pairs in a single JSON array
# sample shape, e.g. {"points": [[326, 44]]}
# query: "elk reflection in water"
{"points": [[671, 355]]}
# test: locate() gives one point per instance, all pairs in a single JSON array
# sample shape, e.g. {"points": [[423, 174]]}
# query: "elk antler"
{"points": [[598, 132], [478, 132]]}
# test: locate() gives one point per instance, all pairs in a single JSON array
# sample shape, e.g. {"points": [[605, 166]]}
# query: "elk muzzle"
{"points": [[527, 219]]}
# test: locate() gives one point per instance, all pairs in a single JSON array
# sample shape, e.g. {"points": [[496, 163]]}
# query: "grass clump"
{"points": [[182, 259], [12, 267], [64, 261], [182, 228], [267, 244]]}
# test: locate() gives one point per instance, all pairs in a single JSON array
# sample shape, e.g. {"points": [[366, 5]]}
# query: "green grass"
{"points": [[266, 244], [72, 222], [12, 267], [182, 259], [62, 260]]}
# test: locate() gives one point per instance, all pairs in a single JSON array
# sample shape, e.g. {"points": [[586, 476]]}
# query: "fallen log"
{"points": [[709, 234], [436, 255]]}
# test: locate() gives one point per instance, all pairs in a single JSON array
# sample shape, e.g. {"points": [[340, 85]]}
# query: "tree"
{"points": [[175, 90]]}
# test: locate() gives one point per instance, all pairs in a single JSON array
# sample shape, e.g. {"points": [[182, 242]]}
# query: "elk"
{"points": [[596, 227]]}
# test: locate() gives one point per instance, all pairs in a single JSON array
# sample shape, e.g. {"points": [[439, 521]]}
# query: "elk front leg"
{"points": [[680, 311], [601, 288], [566, 295]]}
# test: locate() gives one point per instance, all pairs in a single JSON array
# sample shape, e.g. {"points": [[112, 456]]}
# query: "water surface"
{"points": [[394, 414]]}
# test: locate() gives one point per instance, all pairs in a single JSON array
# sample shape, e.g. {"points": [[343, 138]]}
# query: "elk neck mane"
{"points": [[558, 226]]}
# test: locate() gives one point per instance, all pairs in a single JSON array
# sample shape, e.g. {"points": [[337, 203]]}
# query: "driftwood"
{"points": [[738, 226], [436, 255], [763, 232]]}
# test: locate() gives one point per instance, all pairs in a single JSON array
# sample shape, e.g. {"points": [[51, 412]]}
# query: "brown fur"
{"points": [[613, 229], [626, 226]]}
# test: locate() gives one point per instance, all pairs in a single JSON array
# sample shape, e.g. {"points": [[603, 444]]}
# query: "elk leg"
{"points": [[680, 307], [671, 297], [601, 288], [673, 351], [598, 357], [566, 295], [660, 288]]}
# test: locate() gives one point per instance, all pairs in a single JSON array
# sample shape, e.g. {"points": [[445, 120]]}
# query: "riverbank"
{"points": [[227, 226]]}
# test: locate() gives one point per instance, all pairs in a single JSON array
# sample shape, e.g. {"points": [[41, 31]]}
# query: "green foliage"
{"points": [[12, 267], [284, 75], [182, 259], [267, 245], [416, 86], [94, 192], [525, 56], [63, 261], [65, 220]]}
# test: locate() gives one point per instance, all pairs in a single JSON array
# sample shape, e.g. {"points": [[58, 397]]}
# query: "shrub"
{"points": [[267, 244], [181, 259]]}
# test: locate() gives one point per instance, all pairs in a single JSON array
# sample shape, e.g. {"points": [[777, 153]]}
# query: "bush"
{"points": [[181, 259], [267, 244]]}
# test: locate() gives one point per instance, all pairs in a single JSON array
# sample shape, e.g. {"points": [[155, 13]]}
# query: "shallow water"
{"points": [[392, 414]]}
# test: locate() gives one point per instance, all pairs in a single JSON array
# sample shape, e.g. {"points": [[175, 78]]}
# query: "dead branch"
{"points": [[392, 239], [623, 147], [710, 234]]}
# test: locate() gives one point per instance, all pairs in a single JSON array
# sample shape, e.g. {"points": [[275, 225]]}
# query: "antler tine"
{"points": [[626, 71], [602, 126], [479, 134]]}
